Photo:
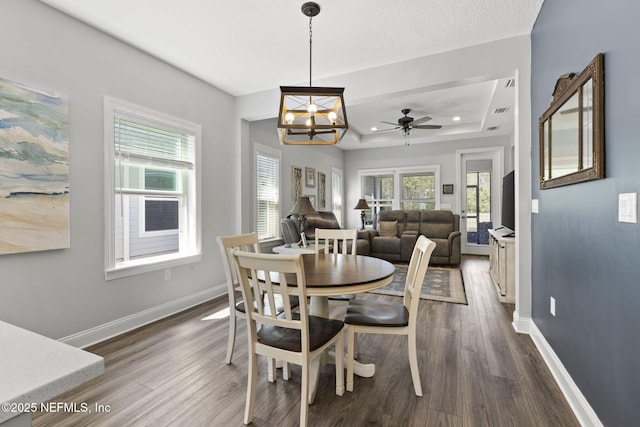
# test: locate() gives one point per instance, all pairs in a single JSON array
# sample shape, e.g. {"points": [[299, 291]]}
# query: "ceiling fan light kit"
{"points": [[311, 115]]}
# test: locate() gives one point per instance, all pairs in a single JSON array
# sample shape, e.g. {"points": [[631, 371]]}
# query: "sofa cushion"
{"points": [[385, 245], [394, 215], [436, 224], [388, 228]]}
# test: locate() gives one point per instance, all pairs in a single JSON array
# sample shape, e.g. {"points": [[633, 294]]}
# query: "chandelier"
{"points": [[311, 115]]}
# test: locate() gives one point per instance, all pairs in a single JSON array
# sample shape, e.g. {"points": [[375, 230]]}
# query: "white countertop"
{"points": [[35, 369]]}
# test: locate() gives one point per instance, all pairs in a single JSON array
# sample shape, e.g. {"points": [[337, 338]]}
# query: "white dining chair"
{"points": [[382, 317], [294, 337], [344, 241], [227, 244]]}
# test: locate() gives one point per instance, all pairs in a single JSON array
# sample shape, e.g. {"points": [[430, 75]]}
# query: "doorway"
{"points": [[480, 180]]}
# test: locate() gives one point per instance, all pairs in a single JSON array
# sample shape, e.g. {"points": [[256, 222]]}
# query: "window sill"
{"points": [[132, 268]]}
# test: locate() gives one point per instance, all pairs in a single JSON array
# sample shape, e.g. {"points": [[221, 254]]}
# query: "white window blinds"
{"points": [[268, 195], [141, 141]]}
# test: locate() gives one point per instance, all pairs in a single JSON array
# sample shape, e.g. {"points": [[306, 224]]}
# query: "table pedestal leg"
{"points": [[320, 307]]}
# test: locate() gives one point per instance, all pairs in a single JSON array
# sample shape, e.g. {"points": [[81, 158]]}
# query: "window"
{"points": [[152, 187], [378, 190], [402, 188], [418, 191], [267, 192], [336, 193]]}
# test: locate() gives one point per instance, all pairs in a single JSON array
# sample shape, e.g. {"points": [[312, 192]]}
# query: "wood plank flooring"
{"points": [[475, 371]]}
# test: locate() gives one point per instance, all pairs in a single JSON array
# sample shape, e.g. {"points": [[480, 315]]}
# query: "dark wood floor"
{"points": [[475, 370]]}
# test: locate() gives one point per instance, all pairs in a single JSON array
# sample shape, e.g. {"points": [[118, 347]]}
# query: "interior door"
{"points": [[481, 177]]}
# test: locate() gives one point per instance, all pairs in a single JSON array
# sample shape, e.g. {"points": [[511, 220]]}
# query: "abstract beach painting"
{"points": [[34, 169]]}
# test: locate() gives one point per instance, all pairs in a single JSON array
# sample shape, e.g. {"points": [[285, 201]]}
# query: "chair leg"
{"points": [[304, 395], [271, 369], [351, 338], [286, 374], [355, 347], [413, 362], [252, 377], [232, 334], [340, 365]]}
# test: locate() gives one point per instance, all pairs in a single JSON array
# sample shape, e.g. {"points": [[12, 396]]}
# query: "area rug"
{"points": [[440, 284]]}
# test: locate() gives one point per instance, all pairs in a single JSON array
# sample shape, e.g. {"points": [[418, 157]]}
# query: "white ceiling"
{"points": [[249, 46]]}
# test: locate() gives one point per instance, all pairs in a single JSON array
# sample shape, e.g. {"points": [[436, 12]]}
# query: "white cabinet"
{"points": [[502, 265]]}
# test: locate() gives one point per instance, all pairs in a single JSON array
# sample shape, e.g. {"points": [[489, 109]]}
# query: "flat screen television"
{"points": [[508, 201]]}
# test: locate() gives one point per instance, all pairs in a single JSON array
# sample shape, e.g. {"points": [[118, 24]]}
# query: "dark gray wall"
{"points": [[582, 256]]}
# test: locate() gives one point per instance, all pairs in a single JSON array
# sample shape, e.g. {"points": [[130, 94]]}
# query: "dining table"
{"points": [[338, 274]]}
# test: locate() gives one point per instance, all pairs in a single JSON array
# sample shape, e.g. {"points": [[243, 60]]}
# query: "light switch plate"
{"points": [[534, 205], [628, 207]]}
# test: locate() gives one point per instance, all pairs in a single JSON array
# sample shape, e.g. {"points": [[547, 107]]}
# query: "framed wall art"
{"points": [[34, 165], [296, 184], [322, 191], [310, 177], [447, 188]]}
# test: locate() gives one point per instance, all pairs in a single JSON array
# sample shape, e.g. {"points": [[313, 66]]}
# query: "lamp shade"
{"points": [[362, 204], [303, 207]]}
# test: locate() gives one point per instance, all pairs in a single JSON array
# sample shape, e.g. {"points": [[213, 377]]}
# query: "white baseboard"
{"points": [[582, 410], [521, 324], [119, 326]]}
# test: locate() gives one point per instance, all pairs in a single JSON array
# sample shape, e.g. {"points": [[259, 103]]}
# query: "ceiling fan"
{"points": [[407, 123]]}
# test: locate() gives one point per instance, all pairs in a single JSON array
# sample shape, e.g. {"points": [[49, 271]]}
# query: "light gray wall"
{"points": [[62, 292], [582, 256], [319, 157], [491, 60], [437, 153]]}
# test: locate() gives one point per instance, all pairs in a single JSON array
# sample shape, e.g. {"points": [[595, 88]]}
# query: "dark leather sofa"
{"points": [[323, 219], [398, 230]]}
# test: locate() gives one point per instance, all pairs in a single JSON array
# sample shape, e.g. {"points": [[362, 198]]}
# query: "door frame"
{"points": [[497, 156]]}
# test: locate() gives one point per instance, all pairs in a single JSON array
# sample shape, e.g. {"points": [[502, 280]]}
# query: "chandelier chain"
{"points": [[310, 49]]}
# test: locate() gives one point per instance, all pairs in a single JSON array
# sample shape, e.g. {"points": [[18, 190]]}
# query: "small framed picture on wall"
{"points": [[310, 177], [447, 189]]}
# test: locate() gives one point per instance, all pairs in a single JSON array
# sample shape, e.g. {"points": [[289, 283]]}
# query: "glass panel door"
{"points": [[480, 182]]}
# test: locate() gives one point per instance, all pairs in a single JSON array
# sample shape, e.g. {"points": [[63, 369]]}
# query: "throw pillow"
{"points": [[388, 228]]}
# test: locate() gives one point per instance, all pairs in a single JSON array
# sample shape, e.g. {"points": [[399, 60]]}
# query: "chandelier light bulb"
{"points": [[308, 122], [332, 117], [289, 118], [312, 108]]}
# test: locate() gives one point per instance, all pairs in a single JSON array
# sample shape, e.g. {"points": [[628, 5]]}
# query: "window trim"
{"points": [[145, 265], [271, 152], [338, 172], [397, 183]]}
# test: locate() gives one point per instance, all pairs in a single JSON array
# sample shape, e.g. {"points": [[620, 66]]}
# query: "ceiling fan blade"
{"points": [[426, 126], [390, 123], [386, 130], [421, 120]]}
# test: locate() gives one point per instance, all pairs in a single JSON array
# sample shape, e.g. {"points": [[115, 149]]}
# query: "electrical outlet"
{"points": [[552, 306], [167, 274]]}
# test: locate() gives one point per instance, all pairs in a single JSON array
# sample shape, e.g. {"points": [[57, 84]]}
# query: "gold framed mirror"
{"points": [[572, 129]]}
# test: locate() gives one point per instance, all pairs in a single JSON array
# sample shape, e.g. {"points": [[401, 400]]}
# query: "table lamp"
{"points": [[303, 208], [362, 205]]}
